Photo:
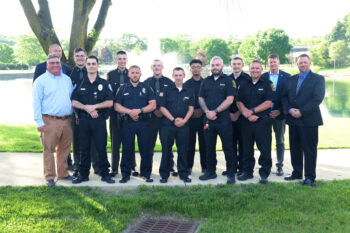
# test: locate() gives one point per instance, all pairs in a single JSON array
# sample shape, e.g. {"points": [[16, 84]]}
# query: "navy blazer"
{"points": [[281, 81], [308, 100], [41, 68]]}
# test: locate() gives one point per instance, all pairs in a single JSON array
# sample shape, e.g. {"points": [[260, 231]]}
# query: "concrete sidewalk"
{"points": [[23, 169]]}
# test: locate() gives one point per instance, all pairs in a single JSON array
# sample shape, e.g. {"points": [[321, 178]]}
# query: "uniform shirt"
{"points": [[114, 78], [252, 95], [51, 96], [176, 101], [134, 97], [93, 93], [164, 82], [214, 92], [195, 85], [242, 78], [77, 74]]}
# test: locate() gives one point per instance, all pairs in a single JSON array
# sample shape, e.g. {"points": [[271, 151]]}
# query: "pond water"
{"points": [[16, 99]]}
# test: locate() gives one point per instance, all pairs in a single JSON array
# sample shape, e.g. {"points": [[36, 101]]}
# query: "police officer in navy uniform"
{"points": [[196, 122], [77, 74], [239, 77], [158, 83], [117, 78], [254, 102], [92, 97], [215, 97], [136, 100], [177, 105]]}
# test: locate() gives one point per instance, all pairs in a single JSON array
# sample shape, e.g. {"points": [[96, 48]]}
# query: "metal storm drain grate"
{"points": [[165, 226]]}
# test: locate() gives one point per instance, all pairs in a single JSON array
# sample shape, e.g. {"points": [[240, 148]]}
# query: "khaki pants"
{"points": [[58, 133]]}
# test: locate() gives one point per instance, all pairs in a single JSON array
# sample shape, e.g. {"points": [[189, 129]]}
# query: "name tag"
{"points": [[126, 93], [83, 89], [186, 98], [260, 89], [222, 84]]}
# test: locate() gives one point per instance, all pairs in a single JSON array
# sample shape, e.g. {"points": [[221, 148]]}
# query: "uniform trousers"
{"points": [[196, 127]]}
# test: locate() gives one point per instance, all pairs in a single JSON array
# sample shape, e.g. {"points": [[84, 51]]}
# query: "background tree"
{"points": [[272, 41], [129, 41], [6, 53], [247, 50], [28, 50], [105, 55], [41, 24], [339, 51], [217, 47], [319, 54]]}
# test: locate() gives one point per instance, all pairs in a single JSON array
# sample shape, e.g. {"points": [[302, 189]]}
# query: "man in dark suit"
{"points": [[278, 78], [41, 68], [302, 96]]}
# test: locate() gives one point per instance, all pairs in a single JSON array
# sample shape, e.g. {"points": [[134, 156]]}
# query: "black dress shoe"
{"points": [[263, 180], [113, 174], [148, 179], [173, 172], [124, 179], [186, 180], [208, 176], [245, 176], [80, 179], [292, 177], [279, 171], [163, 180], [135, 173], [231, 180], [50, 183], [108, 179], [307, 182], [224, 173]]}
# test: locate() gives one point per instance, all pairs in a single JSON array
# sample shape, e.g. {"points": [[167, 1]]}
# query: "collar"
{"points": [[53, 76], [278, 73], [305, 75]]}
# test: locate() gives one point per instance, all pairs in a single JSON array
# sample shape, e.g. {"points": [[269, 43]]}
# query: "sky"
{"points": [[198, 18]]}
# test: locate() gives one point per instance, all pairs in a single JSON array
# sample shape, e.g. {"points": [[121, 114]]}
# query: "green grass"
{"points": [[332, 135], [274, 207]]}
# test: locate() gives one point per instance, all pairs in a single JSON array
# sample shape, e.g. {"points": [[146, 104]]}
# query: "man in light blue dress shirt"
{"points": [[52, 114]]}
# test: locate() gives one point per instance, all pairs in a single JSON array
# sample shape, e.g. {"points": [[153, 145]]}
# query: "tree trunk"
{"points": [[41, 25]]}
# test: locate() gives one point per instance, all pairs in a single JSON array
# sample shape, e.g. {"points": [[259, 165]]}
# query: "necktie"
{"points": [[81, 75], [157, 86], [122, 78], [300, 81]]}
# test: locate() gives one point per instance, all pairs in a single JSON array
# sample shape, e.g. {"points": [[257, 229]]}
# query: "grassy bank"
{"points": [[334, 134], [274, 207]]}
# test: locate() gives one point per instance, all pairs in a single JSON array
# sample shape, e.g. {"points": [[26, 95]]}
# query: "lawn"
{"points": [[14, 138], [275, 207]]}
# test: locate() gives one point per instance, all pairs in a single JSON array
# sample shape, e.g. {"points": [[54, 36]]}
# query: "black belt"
{"points": [[57, 117]]}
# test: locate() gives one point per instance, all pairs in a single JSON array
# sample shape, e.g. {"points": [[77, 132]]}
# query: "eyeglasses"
{"points": [[196, 67], [54, 63], [80, 56]]}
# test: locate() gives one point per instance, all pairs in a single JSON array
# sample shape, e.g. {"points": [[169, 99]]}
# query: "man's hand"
{"points": [[42, 129], [94, 114], [134, 113], [295, 112], [274, 113], [179, 122], [158, 113], [211, 115], [197, 113], [89, 108], [247, 113], [234, 116], [253, 118]]}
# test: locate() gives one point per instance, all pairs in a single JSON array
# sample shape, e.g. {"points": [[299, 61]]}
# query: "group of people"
{"points": [[241, 109]]}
